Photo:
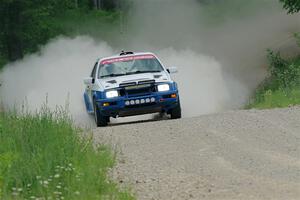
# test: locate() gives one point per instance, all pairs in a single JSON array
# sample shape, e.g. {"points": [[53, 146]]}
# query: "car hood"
{"points": [[114, 82]]}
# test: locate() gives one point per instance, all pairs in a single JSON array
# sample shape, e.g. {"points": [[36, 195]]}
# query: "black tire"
{"points": [[100, 120], [176, 112]]}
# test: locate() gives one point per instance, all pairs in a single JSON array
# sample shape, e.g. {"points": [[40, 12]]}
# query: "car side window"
{"points": [[93, 74]]}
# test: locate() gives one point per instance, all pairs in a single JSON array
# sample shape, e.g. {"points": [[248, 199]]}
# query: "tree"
{"points": [[10, 25], [26, 24], [292, 6], [106, 4]]}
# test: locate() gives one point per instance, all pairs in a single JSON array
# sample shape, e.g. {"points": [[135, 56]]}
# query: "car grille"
{"points": [[138, 90]]}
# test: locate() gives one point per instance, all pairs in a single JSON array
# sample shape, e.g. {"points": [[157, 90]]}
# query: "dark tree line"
{"points": [[106, 4], [26, 24]]}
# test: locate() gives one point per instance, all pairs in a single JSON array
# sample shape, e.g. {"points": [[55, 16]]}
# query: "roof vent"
{"points": [[123, 53]]}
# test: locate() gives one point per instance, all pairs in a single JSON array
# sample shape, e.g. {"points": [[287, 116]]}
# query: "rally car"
{"points": [[130, 84]]}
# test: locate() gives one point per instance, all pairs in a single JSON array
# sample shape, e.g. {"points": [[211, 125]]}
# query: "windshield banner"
{"points": [[129, 58]]}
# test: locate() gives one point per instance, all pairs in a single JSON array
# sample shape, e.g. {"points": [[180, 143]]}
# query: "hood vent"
{"points": [[137, 83], [146, 82], [127, 84], [111, 82]]}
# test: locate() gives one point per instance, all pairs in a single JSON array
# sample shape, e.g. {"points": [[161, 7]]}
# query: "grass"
{"points": [[277, 99], [42, 156], [282, 88]]}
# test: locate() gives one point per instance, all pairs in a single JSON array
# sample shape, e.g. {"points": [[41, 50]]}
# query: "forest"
{"points": [[26, 25]]}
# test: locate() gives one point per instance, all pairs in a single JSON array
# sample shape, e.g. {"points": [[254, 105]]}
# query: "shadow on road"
{"points": [[137, 120]]}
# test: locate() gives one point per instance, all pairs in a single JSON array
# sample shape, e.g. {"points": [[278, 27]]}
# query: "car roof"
{"points": [[126, 55]]}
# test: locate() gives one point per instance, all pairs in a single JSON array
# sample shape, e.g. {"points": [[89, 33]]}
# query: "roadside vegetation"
{"points": [[42, 156], [282, 87]]}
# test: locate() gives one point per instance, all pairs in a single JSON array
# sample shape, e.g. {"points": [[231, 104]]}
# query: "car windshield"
{"points": [[129, 65]]}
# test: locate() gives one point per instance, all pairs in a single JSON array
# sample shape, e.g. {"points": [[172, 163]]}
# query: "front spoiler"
{"points": [[118, 108], [135, 111]]}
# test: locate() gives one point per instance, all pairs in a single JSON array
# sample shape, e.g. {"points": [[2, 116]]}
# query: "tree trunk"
{"points": [[98, 4]]}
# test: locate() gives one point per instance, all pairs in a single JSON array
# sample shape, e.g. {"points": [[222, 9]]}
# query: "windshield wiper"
{"points": [[140, 72], [112, 75]]}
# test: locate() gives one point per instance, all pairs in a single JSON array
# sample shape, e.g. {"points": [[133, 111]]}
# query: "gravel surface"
{"points": [[235, 155]]}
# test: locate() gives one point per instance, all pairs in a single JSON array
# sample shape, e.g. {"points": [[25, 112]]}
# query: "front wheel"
{"points": [[176, 112], [100, 120]]}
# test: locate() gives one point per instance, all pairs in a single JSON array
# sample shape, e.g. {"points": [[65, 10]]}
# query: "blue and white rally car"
{"points": [[130, 84]]}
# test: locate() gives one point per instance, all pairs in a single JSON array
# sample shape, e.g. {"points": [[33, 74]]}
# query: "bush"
{"points": [[277, 99], [285, 73], [281, 88], [43, 157]]}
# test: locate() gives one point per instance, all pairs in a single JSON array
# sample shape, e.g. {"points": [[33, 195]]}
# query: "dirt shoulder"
{"points": [[234, 155]]}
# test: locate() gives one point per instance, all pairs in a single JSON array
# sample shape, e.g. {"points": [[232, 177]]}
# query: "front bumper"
{"points": [[156, 102]]}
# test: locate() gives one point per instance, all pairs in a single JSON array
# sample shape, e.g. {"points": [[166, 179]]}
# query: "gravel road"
{"points": [[234, 155]]}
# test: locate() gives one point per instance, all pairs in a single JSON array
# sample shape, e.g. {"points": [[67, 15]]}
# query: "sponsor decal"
{"points": [[128, 58]]}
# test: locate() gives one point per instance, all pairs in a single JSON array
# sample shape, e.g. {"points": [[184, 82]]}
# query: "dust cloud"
{"points": [[54, 75], [218, 46], [220, 56]]}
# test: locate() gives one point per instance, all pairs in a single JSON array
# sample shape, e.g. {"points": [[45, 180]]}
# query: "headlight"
{"points": [[163, 87], [112, 94]]}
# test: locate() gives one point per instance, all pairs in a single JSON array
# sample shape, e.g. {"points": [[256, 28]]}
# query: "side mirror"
{"points": [[172, 70], [88, 80]]}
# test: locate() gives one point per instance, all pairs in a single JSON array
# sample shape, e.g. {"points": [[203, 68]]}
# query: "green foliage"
{"points": [[98, 24], [6, 159], [43, 156], [26, 25], [110, 4], [297, 37], [3, 61], [282, 88], [292, 6], [285, 74], [277, 99]]}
